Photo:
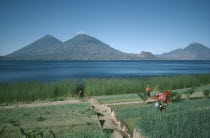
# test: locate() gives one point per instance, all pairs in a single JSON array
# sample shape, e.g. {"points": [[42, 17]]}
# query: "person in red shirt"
{"points": [[148, 90], [79, 93]]}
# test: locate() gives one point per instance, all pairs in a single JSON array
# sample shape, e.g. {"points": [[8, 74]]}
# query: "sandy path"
{"points": [[41, 104], [134, 102]]}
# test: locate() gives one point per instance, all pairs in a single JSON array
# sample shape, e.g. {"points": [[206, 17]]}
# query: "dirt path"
{"points": [[107, 120], [41, 104], [134, 102]]}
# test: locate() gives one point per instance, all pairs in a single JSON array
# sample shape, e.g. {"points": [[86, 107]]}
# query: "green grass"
{"points": [[189, 118], [70, 120], [31, 91], [110, 86]]}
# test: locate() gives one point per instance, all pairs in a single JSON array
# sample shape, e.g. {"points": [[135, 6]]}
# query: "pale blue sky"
{"points": [[131, 26]]}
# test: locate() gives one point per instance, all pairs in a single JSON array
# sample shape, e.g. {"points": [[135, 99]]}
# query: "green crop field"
{"points": [[79, 120], [108, 99], [117, 98], [70, 120], [186, 119]]}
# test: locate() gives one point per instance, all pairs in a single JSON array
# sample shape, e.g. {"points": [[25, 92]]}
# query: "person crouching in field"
{"points": [[148, 90], [162, 99], [79, 94]]}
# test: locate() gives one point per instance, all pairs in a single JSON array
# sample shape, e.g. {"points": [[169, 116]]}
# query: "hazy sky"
{"points": [[128, 25]]}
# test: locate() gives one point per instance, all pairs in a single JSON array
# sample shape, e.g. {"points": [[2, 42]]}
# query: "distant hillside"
{"points": [[146, 55], [194, 51], [81, 47]]}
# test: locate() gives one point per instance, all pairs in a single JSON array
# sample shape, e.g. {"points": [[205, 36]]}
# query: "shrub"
{"points": [[41, 118], [178, 97], [175, 97], [143, 96], [206, 93], [189, 92], [2, 130]]}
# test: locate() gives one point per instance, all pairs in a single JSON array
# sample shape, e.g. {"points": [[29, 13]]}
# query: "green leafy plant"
{"points": [[178, 97], [2, 130], [175, 97], [206, 93], [189, 92], [41, 118], [34, 133], [143, 96], [14, 122], [58, 99]]}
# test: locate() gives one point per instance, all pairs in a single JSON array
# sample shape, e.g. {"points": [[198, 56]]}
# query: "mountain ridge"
{"points": [[80, 47], [194, 51], [85, 47]]}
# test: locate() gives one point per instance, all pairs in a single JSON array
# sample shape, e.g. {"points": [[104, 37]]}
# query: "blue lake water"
{"points": [[59, 70]]}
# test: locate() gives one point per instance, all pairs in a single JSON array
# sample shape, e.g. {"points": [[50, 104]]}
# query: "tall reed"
{"points": [[31, 91], [109, 86]]}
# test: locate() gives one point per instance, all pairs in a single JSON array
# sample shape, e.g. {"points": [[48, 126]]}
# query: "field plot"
{"points": [[134, 97], [187, 119], [70, 120], [117, 98]]}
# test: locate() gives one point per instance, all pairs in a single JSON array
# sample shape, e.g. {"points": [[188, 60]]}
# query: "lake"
{"points": [[59, 70]]}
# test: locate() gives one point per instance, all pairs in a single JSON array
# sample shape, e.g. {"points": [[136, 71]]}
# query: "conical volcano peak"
{"points": [[195, 46], [48, 36], [194, 43], [39, 49], [84, 37]]}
